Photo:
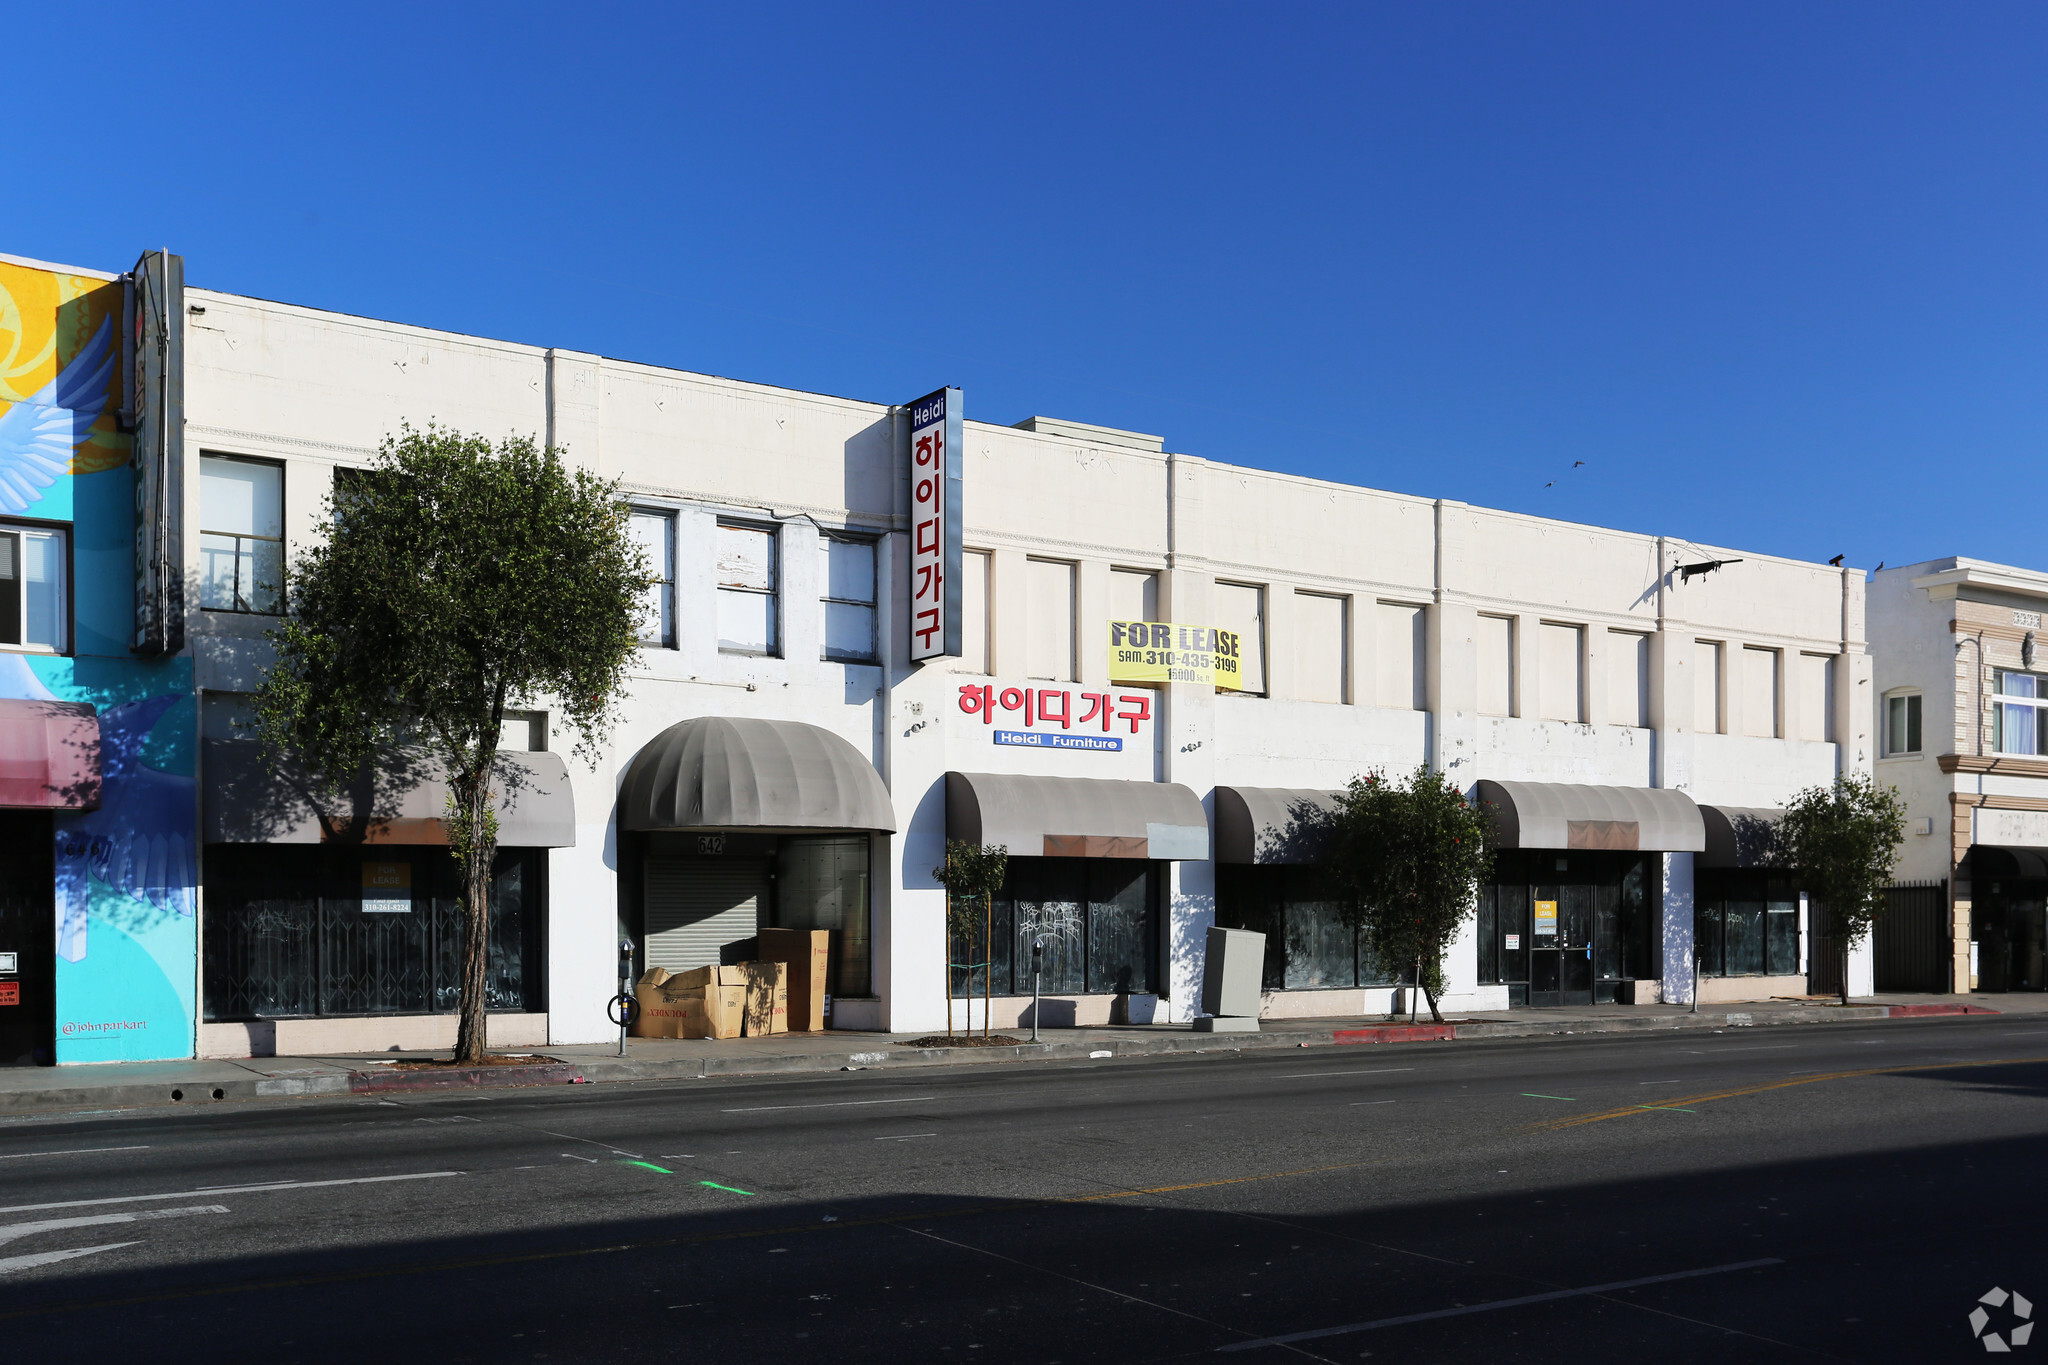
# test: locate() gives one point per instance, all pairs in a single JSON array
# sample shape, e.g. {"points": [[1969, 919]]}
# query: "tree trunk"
{"points": [[1435, 1015], [947, 937], [476, 851], [1842, 954]]}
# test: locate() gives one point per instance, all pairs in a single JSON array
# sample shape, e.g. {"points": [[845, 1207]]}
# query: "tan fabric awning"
{"points": [[721, 772], [1738, 836], [49, 755], [1268, 825], [1565, 815], [406, 802], [1076, 817]]}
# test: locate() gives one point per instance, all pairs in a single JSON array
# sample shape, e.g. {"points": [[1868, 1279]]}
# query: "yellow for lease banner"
{"points": [[1161, 652]]}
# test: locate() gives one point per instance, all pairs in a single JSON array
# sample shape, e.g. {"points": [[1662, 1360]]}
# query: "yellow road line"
{"points": [[1579, 1120]]}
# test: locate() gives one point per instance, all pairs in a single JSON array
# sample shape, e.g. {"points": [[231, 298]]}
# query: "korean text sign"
{"points": [[1162, 652], [935, 475]]}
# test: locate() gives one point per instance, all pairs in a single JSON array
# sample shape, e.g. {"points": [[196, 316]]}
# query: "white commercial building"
{"points": [[780, 758]]}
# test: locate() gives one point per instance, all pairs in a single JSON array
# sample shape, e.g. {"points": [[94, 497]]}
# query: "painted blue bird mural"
{"points": [[38, 435]]}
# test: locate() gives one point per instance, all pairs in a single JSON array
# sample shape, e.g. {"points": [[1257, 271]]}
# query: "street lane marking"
{"points": [[1660, 1082], [1672, 1107], [1356, 1103], [1495, 1306], [904, 1137], [239, 1189], [833, 1104], [73, 1151], [1532, 1095], [1375, 1071], [651, 1166], [15, 1231], [727, 1188], [1578, 1119], [14, 1263]]}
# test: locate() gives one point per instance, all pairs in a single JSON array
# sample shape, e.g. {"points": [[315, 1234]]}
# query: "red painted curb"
{"points": [[371, 1082], [1924, 1011], [1404, 1033]]}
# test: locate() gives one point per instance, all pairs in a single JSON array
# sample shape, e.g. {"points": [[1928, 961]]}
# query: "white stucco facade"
{"points": [[1605, 616]]}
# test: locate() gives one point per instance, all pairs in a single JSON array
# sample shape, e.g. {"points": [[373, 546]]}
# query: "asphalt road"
{"points": [[1807, 1193]]}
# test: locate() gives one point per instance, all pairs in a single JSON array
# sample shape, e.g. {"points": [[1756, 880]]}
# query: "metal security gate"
{"points": [[1913, 941], [697, 906]]}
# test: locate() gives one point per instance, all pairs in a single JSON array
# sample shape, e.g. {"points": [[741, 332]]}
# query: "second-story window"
{"points": [[2022, 713], [848, 601], [241, 535], [746, 589], [33, 605], [1902, 725], [655, 533]]}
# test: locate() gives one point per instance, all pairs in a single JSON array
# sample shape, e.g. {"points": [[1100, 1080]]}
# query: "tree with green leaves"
{"points": [[1412, 853], [971, 876], [1841, 844], [454, 581]]}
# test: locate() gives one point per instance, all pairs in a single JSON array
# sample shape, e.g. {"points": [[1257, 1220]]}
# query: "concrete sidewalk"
{"points": [[128, 1084]]}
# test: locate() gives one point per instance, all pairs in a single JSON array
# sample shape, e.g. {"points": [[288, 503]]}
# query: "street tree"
{"points": [[1841, 844], [452, 581], [971, 876], [1412, 852]]}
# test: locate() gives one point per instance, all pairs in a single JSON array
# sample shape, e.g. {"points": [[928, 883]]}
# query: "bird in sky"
{"points": [[1879, 568], [38, 435]]}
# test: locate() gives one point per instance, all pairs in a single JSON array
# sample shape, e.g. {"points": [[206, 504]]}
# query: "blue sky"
{"points": [[1774, 272]]}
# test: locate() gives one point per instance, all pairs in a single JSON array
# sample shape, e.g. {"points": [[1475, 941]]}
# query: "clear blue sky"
{"points": [[1774, 272]]}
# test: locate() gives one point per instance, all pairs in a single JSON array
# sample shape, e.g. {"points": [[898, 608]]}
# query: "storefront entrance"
{"points": [[2009, 929], [28, 968], [1567, 928]]}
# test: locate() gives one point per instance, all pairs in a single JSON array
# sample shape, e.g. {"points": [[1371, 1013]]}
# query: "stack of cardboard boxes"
{"points": [[750, 998]]}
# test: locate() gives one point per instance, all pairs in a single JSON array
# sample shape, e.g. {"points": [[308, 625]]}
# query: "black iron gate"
{"points": [[1913, 940]]}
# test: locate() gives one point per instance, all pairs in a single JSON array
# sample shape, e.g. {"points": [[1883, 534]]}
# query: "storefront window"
{"points": [[822, 883], [1560, 927], [1098, 919], [1310, 944], [1745, 923], [296, 931]]}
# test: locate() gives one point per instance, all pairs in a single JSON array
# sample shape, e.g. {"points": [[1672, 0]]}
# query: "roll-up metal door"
{"points": [[695, 906]]}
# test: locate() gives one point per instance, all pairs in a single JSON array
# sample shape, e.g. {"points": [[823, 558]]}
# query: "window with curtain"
{"points": [[747, 617], [848, 602], [241, 535], [655, 533], [2022, 713]]}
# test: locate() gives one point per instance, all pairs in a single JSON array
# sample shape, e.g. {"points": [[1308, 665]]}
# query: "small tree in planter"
{"points": [[971, 876], [1841, 843], [1412, 853], [451, 581]]}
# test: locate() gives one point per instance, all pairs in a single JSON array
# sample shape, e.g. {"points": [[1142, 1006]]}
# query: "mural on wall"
{"points": [[126, 889]]}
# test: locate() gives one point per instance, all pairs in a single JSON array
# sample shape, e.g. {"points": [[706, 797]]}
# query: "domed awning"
{"points": [[1567, 815], [722, 772]]}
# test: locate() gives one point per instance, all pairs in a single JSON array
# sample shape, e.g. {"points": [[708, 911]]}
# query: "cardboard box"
{"points": [[807, 953], [709, 1002], [767, 995]]}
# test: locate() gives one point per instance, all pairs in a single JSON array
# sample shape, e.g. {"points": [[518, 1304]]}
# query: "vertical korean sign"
{"points": [[156, 349], [935, 466]]}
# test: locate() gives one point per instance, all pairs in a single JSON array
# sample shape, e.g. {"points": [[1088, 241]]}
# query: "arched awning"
{"points": [[1076, 817], [1274, 824], [1738, 836], [723, 772], [1566, 815]]}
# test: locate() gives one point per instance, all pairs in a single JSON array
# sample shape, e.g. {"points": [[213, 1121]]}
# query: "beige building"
{"points": [[1962, 708], [1625, 699]]}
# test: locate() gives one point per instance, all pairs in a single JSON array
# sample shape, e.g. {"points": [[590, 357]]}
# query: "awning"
{"points": [[49, 755], [1990, 862], [721, 772], [1076, 817], [404, 802], [1738, 836], [1273, 824], [1565, 815]]}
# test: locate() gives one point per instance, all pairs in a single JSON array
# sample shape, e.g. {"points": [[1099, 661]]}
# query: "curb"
{"points": [[606, 1069]]}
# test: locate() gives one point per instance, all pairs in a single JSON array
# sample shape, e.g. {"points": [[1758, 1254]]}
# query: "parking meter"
{"points": [[1037, 960], [625, 1005]]}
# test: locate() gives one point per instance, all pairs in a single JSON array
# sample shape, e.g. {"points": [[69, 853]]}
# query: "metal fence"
{"points": [[1912, 940]]}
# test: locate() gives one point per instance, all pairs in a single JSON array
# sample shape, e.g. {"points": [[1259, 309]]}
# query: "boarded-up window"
{"points": [[1133, 596], [1706, 687], [1241, 609], [1322, 645], [1401, 647], [1049, 619], [1563, 662], [1760, 692], [847, 607], [746, 589], [974, 612], [1628, 678], [1496, 666], [1816, 691]]}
